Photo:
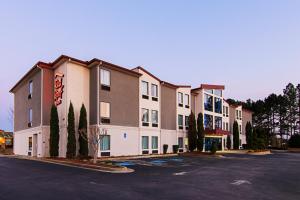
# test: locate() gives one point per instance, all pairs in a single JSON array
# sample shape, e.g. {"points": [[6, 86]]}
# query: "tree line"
{"points": [[278, 115]]}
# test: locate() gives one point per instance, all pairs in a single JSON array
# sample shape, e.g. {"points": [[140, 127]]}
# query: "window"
{"points": [[227, 126], [30, 89], [30, 144], [208, 121], [30, 118], [180, 121], [186, 100], [154, 116], [218, 105], [218, 122], [154, 142], [154, 90], [208, 102], [224, 126], [209, 91], [145, 117], [105, 77], [105, 143], [180, 99], [180, 143], [237, 114], [145, 90], [105, 112], [240, 114], [227, 112], [145, 142], [224, 111], [186, 122], [218, 93]]}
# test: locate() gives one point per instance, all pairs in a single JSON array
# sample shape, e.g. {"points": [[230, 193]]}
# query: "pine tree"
{"points": [[290, 94], [236, 135], [71, 146], [200, 132], [228, 142], [82, 130], [298, 107], [249, 135], [192, 132], [54, 132]]}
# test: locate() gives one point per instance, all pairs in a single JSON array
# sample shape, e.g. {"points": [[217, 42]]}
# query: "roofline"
{"points": [[147, 72], [173, 85], [209, 87], [115, 67], [39, 65]]}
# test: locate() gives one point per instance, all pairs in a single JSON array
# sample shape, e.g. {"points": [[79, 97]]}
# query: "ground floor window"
{"points": [[145, 142], [105, 143], [180, 143], [154, 142], [209, 142], [30, 143]]}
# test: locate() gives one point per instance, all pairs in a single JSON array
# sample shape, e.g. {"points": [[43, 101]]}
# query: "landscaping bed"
{"points": [[294, 150], [259, 152], [201, 154]]}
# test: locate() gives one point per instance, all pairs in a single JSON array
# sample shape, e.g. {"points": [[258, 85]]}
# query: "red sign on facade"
{"points": [[58, 88]]}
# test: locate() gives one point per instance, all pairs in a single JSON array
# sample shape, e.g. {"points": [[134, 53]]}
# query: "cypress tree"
{"points": [[200, 132], [192, 132], [54, 132], [249, 135], [71, 146], [82, 130], [228, 142], [236, 135]]}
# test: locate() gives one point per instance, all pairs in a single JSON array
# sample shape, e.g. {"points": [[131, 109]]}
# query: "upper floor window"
{"points": [[237, 114], [240, 114], [30, 88], [208, 121], [105, 112], [154, 116], [180, 99], [186, 122], [145, 90], [180, 121], [145, 117], [105, 77], [154, 92], [30, 118], [209, 91], [218, 105], [227, 111], [218, 93], [208, 102], [186, 101], [218, 122]]}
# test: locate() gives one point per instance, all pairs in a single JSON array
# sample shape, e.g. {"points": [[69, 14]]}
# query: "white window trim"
{"points": [[102, 73]]}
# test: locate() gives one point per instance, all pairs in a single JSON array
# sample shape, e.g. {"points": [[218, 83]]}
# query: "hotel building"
{"points": [[140, 112]]}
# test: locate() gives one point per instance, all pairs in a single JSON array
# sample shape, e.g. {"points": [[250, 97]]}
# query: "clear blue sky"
{"points": [[253, 47]]}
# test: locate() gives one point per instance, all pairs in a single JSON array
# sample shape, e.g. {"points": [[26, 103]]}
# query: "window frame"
{"points": [[104, 72], [180, 100], [105, 119], [30, 117], [180, 126], [30, 89], [143, 137], [156, 143], [30, 143], [154, 124], [186, 100], [147, 84], [102, 142], [145, 123], [156, 88]]}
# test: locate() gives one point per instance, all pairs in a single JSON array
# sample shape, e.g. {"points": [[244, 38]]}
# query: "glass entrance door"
{"points": [[210, 140]]}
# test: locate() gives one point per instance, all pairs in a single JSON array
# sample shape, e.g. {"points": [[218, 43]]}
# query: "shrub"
{"points": [[294, 141], [175, 148], [213, 149], [71, 145], [192, 132], [236, 135], [54, 132], [165, 148], [82, 130], [228, 142], [200, 132]]}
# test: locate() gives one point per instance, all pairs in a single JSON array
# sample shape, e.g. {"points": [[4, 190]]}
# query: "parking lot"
{"points": [[275, 176]]}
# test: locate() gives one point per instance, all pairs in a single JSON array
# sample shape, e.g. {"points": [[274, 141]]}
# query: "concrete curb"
{"points": [[137, 157], [82, 166]]}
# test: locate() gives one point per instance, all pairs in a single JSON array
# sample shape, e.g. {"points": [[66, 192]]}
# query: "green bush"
{"points": [[294, 141], [175, 148], [214, 147], [165, 148]]}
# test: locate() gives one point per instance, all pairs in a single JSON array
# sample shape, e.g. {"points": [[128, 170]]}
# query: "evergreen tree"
{"points": [[200, 132], [298, 107], [249, 135], [290, 94], [54, 132], [228, 142], [82, 130], [71, 146], [192, 132], [236, 135]]}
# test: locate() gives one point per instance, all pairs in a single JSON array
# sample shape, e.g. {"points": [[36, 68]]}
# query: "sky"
{"points": [[252, 47]]}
